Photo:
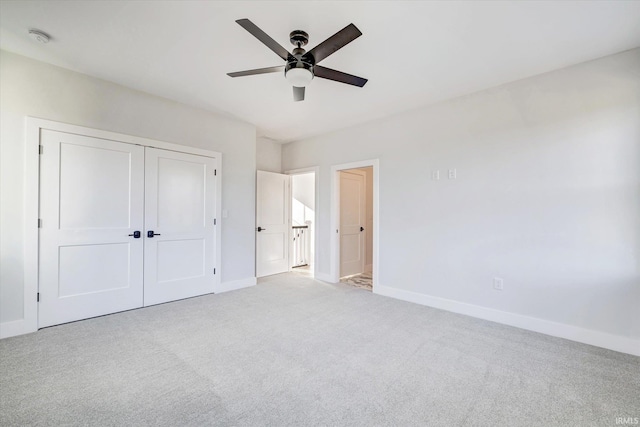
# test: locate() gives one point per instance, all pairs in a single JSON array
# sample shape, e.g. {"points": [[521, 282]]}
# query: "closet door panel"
{"points": [[180, 231], [91, 200]]}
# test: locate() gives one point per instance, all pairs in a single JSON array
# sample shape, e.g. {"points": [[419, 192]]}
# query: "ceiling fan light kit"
{"points": [[301, 66], [299, 76]]}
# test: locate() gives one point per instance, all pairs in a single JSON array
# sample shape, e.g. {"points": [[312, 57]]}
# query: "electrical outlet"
{"points": [[435, 175], [498, 284], [452, 174]]}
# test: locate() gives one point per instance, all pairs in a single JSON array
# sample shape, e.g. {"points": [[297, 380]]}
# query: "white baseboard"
{"points": [[236, 284], [15, 327], [324, 277], [21, 327], [561, 330]]}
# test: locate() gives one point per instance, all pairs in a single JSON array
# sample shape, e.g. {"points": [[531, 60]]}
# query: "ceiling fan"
{"points": [[301, 66]]}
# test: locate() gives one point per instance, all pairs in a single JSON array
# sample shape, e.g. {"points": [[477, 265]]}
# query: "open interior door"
{"points": [[272, 223], [352, 221]]}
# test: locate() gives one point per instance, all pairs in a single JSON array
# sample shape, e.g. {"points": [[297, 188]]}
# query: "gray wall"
{"points": [[547, 195], [32, 88], [303, 189], [268, 155]]}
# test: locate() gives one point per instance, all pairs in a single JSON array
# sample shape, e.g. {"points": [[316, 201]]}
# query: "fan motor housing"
{"points": [[298, 64], [299, 38]]}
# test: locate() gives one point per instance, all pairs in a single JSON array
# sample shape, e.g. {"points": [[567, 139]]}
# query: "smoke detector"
{"points": [[39, 36]]}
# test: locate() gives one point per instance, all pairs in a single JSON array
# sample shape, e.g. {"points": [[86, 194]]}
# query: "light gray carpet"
{"points": [[293, 351]]}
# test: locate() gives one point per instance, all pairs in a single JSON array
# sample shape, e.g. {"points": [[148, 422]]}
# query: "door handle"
{"points": [[260, 229], [150, 234], [361, 228], [136, 234]]}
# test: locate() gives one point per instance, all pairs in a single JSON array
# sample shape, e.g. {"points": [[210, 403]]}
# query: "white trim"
{"points": [[236, 284], [29, 322], [302, 171], [316, 171], [33, 126], [219, 222], [33, 122], [324, 277], [15, 327], [561, 330], [335, 217]]}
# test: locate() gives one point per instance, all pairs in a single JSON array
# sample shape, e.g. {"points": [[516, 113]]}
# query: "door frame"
{"points": [[334, 246], [316, 172], [33, 126]]}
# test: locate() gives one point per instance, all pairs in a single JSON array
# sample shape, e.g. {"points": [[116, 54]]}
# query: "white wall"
{"points": [[547, 197], [268, 155], [32, 88]]}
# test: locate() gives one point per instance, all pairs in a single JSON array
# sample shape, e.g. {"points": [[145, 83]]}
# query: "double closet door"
{"points": [[123, 226]]}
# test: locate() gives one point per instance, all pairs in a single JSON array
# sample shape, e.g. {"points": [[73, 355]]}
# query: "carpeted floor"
{"points": [[293, 351]]}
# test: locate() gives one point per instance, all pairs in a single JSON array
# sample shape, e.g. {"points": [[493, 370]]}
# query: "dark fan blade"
{"points": [[257, 71], [338, 76], [264, 38], [298, 93], [333, 43]]}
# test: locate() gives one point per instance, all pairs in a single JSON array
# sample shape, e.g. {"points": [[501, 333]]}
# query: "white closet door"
{"points": [[91, 201], [180, 197], [352, 220], [272, 221]]}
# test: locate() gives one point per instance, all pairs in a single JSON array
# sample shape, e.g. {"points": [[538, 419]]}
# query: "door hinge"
{"points": [[40, 149], [214, 271], [38, 297], [39, 223], [214, 221], [215, 172]]}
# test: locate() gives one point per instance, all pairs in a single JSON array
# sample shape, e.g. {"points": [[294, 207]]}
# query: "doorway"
{"points": [[286, 222], [303, 223], [356, 223], [354, 219]]}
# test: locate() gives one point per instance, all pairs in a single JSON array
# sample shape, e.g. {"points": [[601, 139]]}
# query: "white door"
{"points": [[352, 220], [272, 223], [91, 202], [180, 197]]}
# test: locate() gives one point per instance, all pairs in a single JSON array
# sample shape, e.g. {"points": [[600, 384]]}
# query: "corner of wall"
{"points": [[233, 285], [16, 327], [268, 155]]}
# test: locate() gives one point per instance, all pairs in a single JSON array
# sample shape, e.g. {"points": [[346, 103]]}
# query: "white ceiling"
{"points": [[413, 53]]}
